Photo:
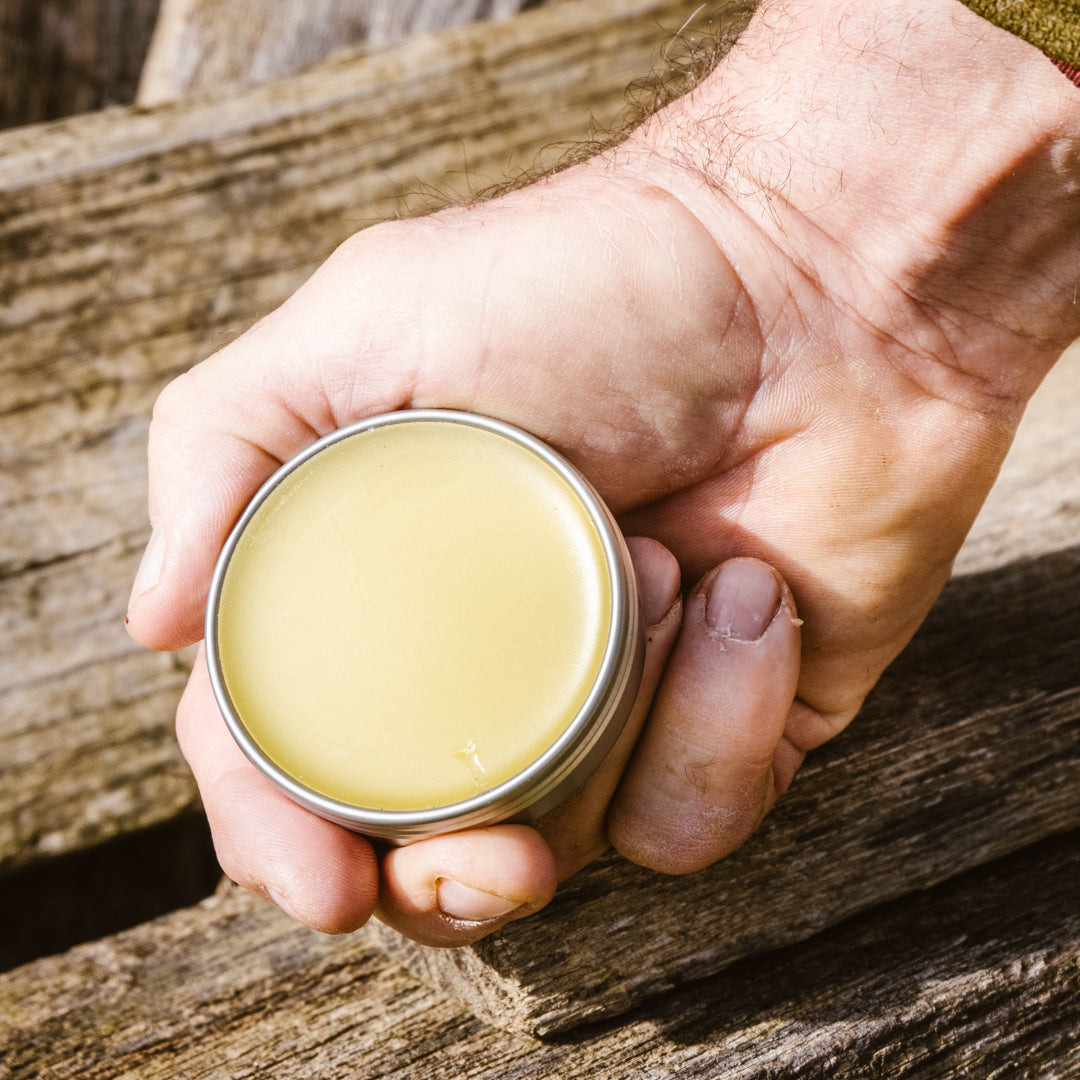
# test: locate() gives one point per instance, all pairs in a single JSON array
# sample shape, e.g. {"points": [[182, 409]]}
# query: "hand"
{"points": [[767, 325]]}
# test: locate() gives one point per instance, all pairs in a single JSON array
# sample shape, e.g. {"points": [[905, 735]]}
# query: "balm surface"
{"points": [[413, 615]]}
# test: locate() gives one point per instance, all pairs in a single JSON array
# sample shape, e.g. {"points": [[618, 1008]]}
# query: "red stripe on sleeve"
{"points": [[1072, 73]]}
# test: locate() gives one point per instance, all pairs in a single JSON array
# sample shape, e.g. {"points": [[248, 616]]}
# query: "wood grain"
{"points": [[70, 56], [216, 46], [133, 243], [974, 978]]}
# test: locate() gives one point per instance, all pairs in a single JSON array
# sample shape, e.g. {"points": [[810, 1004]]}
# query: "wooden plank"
{"points": [[133, 243], [974, 978], [1034, 506], [69, 56], [215, 46]]}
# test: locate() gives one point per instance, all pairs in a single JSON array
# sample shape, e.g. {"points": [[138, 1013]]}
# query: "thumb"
{"points": [[702, 778]]}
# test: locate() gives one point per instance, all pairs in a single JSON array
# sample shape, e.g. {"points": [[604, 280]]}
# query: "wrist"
{"points": [[925, 161]]}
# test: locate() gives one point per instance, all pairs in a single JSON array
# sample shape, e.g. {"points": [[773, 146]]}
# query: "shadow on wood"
{"points": [[951, 969], [84, 895], [70, 56]]}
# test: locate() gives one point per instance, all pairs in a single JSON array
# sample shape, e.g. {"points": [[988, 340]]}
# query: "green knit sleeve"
{"points": [[1051, 25]]}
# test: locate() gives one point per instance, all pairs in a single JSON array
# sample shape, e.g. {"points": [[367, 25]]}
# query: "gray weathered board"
{"points": [[211, 46], [976, 978]]}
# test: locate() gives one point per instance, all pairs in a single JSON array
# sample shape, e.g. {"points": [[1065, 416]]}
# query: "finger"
{"points": [[701, 777], [451, 890], [320, 874], [201, 475], [576, 830]]}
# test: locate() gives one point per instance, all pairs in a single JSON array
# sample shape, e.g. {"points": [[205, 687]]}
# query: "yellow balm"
{"points": [[425, 621]]}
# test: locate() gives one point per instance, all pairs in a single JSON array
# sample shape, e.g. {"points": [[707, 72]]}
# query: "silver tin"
{"points": [[566, 764]]}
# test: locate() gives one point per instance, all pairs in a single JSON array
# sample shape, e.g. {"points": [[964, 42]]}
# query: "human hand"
{"points": [[747, 356]]}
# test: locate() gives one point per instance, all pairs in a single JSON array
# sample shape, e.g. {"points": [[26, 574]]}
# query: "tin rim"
{"points": [[566, 763]]}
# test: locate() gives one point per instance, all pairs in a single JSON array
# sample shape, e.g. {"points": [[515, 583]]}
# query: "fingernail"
{"points": [[471, 905], [741, 600], [150, 568], [662, 571]]}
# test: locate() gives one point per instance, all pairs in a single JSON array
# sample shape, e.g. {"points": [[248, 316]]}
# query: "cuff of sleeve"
{"points": [[1071, 73]]}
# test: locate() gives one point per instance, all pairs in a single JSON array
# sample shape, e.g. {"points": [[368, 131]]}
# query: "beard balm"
{"points": [[426, 621]]}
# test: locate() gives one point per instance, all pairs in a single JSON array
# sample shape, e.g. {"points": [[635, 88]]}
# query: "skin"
{"points": [[787, 328]]}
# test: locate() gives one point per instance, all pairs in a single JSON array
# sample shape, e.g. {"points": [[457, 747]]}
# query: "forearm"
{"points": [[901, 156]]}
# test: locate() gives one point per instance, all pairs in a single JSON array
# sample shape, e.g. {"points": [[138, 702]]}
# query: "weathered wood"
{"points": [[80, 896], [132, 243], [974, 978], [121, 262], [59, 57], [968, 749], [1034, 506], [214, 46]]}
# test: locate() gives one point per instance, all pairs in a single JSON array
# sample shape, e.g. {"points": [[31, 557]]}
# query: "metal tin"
{"points": [[566, 763]]}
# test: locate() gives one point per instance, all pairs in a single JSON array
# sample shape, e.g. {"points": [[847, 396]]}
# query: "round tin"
{"points": [[553, 774]]}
